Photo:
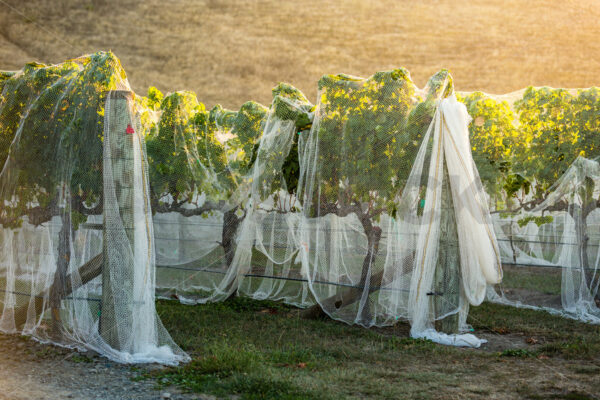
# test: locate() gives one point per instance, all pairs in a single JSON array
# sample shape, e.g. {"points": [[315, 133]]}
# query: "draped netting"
{"points": [[329, 204], [77, 259], [535, 151], [268, 253], [553, 248], [381, 202], [224, 213], [199, 162], [395, 221]]}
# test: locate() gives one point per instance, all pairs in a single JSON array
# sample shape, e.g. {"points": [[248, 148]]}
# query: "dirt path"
{"points": [[31, 371]]}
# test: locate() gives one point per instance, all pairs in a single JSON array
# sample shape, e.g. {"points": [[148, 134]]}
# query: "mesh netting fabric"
{"points": [[383, 201], [530, 148], [226, 220], [386, 160], [552, 250], [268, 250], [77, 266]]}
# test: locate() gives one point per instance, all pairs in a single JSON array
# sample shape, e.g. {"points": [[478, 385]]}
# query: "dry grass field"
{"points": [[231, 51]]}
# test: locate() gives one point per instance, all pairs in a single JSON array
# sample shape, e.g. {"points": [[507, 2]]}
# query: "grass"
{"points": [[236, 369], [78, 358], [264, 350], [537, 279], [504, 319]]}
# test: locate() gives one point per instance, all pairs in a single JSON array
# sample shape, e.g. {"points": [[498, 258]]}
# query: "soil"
{"points": [[30, 371]]}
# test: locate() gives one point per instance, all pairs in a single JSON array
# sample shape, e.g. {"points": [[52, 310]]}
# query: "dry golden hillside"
{"points": [[230, 51]]}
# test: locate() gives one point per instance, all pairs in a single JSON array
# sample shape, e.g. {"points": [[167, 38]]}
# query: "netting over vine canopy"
{"points": [[221, 201], [396, 222], [259, 233], [77, 258], [382, 201], [551, 251], [534, 151]]}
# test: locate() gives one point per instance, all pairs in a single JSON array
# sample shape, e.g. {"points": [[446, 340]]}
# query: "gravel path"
{"points": [[31, 371]]}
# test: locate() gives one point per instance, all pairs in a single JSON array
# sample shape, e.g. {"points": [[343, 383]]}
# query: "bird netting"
{"points": [[395, 219], [530, 148], [372, 150], [268, 250], [223, 211], [199, 161], [77, 259], [382, 201], [554, 248]]}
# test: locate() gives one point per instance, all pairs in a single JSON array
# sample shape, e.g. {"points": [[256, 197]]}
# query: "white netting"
{"points": [[529, 148], [226, 221], [77, 266], [552, 250], [359, 246], [268, 254], [381, 202], [387, 160], [200, 193]]}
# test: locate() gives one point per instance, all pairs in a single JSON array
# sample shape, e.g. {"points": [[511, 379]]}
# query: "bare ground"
{"points": [[30, 371]]}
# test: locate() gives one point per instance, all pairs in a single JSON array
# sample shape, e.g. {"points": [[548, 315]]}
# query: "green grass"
{"points": [[550, 328], [242, 345], [264, 350], [79, 358], [542, 279], [517, 353]]}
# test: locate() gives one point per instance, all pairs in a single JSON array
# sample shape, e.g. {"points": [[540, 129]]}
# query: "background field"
{"points": [[231, 51]]}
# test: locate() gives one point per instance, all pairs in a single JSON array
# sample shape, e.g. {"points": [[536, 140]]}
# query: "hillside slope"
{"points": [[230, 51]]}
